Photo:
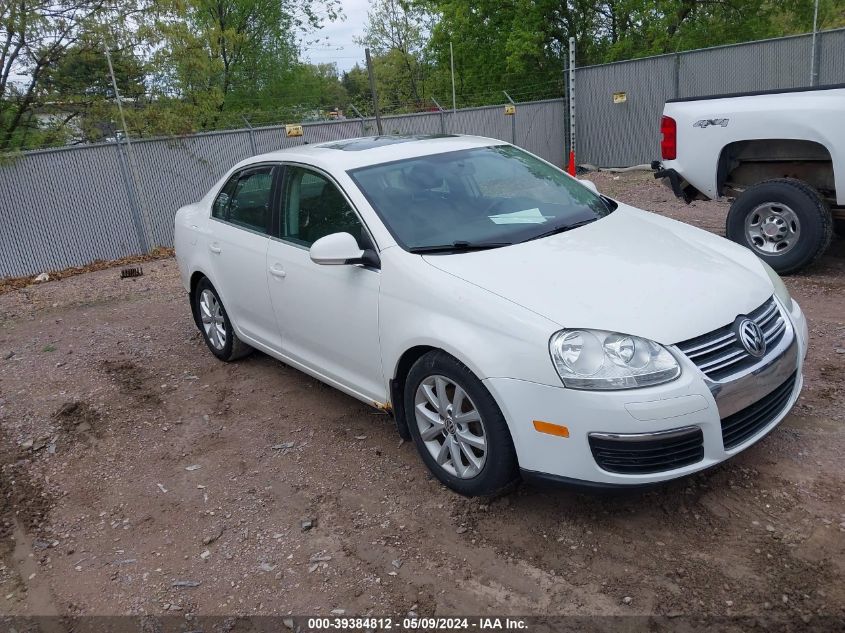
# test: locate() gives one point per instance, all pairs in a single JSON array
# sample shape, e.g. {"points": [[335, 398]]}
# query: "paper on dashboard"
{"points": [[526, 216]]}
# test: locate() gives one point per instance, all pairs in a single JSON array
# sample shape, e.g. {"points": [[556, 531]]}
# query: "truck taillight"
{"points": [[669, 140]]}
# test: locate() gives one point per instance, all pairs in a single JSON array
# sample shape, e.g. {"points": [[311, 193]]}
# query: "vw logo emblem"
{"points": [[751, 337]]}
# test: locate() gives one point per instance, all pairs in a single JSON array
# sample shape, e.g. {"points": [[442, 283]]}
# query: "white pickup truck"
{"points": [[780, 154]]}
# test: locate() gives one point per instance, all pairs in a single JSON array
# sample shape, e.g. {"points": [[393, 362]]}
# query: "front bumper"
{"points": [[691, 401]]}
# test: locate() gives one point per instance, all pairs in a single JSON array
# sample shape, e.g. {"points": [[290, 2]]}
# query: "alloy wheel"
{"points": [[213, 321], [450, 426]]}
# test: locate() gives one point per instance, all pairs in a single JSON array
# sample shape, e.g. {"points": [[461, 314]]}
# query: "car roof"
{"points": [[351, 153]]}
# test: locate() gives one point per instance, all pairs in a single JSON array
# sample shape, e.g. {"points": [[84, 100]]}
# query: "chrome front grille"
{"points": [[719, 353]]}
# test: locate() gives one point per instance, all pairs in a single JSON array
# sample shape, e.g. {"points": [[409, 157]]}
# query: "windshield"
{"points": [[476, 198]]}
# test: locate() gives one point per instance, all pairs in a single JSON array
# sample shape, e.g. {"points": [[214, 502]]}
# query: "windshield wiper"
{"points": [[457, 247], [562, 229]]}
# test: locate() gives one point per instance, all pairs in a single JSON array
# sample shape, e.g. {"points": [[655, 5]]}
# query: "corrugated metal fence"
{"points": [[71, 206], [612, 134]]}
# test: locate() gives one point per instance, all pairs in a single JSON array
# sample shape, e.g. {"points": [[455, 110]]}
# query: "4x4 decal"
{"points": [[708, 122]]}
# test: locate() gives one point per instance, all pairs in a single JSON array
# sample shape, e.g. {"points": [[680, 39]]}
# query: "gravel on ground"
{"points": [[142, 476]]}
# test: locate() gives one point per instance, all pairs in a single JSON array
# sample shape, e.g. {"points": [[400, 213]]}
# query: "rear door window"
{"points": [[246, 199]]}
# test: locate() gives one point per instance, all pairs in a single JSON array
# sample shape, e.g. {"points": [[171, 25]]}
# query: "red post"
{"points": [[571, 167]]}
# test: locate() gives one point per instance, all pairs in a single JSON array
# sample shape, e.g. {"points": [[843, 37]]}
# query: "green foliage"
{"points": [[183, 66], [79, 103], [357, 87], [512, 46], [83, 72], [38, 36], [395, 34], [521, 45]]}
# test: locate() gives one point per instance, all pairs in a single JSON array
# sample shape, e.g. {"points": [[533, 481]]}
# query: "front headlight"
{"points": [[780, 288], [595, 359]]}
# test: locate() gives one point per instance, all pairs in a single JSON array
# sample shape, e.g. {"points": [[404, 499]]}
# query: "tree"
{"points": [[78, 94], [395, 33], [223, 55], [35, 36], [355, 82], [514, 46], [304, 92], [181, 65], [521, 45], [676, 25], [189, 65]]}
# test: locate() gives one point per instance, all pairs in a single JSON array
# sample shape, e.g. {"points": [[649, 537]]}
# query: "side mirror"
{"points": [[589, 184], [340, 249]]}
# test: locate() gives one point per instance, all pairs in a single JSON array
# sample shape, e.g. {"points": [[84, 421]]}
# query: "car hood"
{"points": [[632, 272]]}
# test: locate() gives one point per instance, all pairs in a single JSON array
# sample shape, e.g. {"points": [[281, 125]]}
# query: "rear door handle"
{"points": [[277, 271], [215, 248]]}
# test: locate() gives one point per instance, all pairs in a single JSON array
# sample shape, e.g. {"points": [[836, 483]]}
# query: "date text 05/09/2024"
{"points": [[416, 623]]}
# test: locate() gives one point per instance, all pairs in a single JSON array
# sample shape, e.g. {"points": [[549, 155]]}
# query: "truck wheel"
{"points": [[784, 221]]}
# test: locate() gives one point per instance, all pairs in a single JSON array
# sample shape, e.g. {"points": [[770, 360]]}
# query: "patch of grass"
{"points": [[49, 347]]}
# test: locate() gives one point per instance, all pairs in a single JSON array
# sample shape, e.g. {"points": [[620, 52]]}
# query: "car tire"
{"points": [[218, 333], [440, 439], [799, 221]]}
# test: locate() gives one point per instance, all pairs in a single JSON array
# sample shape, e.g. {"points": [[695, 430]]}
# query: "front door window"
{"points": [[315, 207]]}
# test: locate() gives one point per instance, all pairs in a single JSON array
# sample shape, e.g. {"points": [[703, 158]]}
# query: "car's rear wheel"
{"points": [[214, 323], [784, 221], [457, 426]]}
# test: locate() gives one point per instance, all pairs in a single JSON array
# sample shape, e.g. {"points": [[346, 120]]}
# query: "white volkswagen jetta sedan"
{"points": [[511, 318]]}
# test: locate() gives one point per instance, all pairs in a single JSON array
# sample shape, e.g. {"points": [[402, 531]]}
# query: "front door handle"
{"points": [[277, 271], [215, 248]]}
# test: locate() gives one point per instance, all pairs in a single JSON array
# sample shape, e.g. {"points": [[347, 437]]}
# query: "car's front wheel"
{"points": [[214, 323], [457, 426]]}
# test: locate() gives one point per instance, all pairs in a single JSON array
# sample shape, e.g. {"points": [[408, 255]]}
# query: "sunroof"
{"points": [[369, 142]]}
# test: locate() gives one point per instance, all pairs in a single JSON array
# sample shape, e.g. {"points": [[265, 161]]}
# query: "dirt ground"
{"points": [[142, 476]]}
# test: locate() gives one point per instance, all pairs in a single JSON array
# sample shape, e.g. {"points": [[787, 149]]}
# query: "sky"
{"points": [[335, 38]]}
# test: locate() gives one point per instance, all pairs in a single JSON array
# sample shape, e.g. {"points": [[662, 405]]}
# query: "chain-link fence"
{"points": [[71, 206], [619, 133]]}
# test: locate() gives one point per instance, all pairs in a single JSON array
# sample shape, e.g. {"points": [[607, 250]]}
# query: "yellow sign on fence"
{"points": [[293, 130], [620, 97], [510, 109]]}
